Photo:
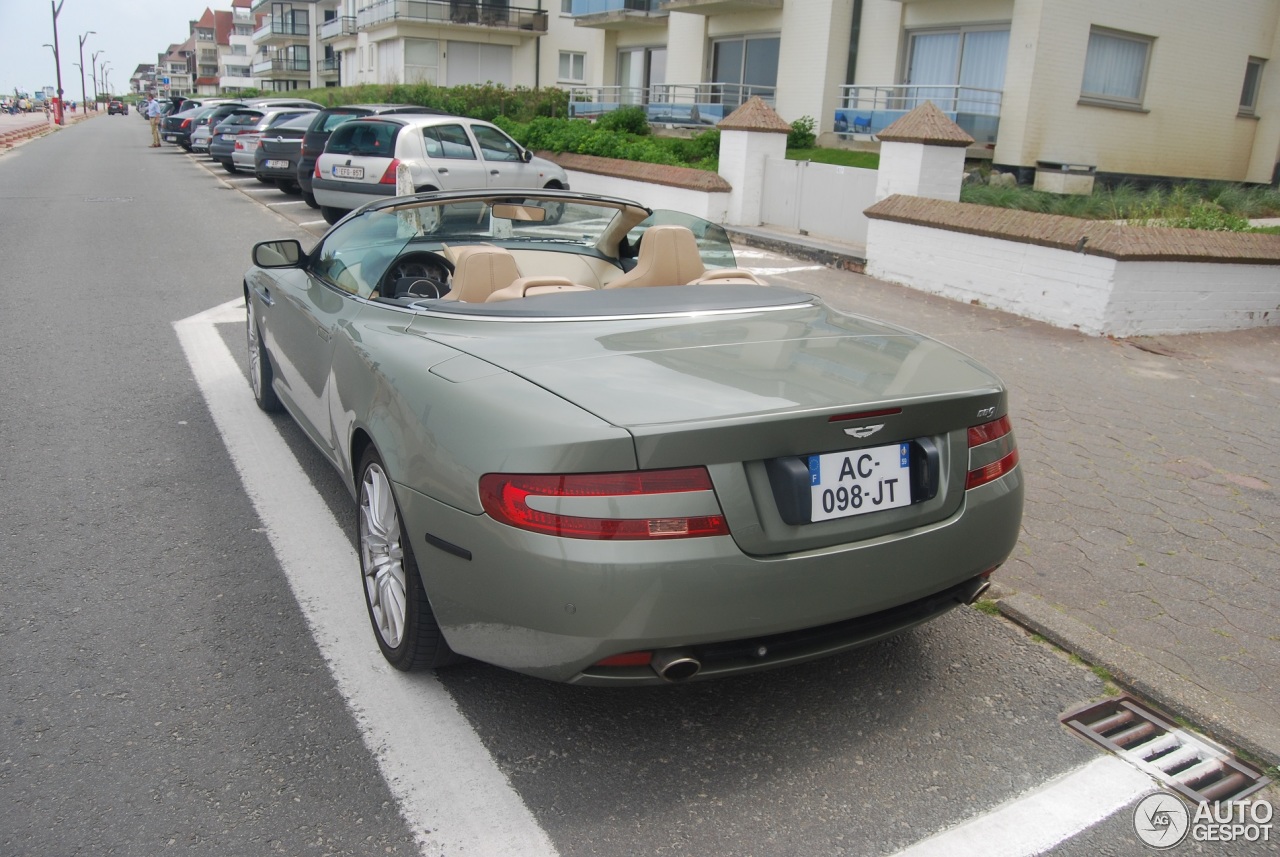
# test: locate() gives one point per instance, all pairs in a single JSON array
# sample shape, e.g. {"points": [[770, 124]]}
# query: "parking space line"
{"points": [[1036, 822], [287, 202], [449, 790]]}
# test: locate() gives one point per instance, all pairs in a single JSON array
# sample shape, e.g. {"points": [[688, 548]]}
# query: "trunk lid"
{"points": [[752, 395]]}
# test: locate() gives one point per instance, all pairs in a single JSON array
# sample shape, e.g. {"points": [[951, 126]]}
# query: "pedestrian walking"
{"points": [[153, 116]]}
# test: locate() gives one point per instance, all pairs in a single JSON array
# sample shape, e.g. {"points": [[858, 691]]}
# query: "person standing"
{"points": [[153, 116]]}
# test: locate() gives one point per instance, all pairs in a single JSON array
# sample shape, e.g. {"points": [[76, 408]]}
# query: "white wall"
{"points": [[709, 206], [1093, 294]]}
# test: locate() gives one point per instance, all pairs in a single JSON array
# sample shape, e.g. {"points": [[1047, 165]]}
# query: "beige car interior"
{"points": [[669, 256]]}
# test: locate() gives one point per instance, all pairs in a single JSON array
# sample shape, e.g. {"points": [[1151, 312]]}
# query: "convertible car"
{"points": [[585, 446]]}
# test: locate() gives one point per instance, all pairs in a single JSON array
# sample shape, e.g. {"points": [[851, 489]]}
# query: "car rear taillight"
{"points": [[186, 123], [997, 430], [316, 173], [239, 145], [542, 503], [389, 177]]}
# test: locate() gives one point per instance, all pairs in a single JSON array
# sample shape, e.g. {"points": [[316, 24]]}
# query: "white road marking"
{"points": [[314, 223], [1036, 822], [449, 789], [287, 202]]}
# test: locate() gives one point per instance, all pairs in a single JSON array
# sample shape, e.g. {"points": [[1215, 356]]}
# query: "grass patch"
{"points": [[986, 605]]}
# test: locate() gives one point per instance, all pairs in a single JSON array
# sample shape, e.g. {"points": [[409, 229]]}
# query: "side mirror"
{"points": [[526, 155], [278, 254]]}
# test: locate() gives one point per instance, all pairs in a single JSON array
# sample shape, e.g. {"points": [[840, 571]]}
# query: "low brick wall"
{"points": [[697, 192], [1100, 278]]}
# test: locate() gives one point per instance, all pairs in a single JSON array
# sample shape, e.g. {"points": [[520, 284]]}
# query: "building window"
{"points": [[1249, 93], [966, 65], [566, 7], [1115, 68], [745, 67], [573, 67]]}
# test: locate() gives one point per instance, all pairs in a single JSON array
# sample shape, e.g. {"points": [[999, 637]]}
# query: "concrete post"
{"points": [[749, 136], [922, 154]]}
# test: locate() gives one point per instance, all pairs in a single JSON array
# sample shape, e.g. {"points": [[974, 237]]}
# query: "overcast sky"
{"points": [[127, 32]]}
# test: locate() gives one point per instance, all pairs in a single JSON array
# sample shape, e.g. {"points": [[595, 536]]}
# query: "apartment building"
{"points": [[1180, 88], [453, 42]]}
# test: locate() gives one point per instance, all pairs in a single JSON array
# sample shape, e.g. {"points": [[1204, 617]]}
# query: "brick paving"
{"points": [[1150, 541]]}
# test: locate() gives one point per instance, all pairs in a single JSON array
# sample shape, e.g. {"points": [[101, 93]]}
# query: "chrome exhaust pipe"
{"points": [[675, 665], [978, 593]]}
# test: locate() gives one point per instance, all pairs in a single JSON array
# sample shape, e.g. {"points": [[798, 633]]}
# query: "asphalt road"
{"points": [[166, 691]]}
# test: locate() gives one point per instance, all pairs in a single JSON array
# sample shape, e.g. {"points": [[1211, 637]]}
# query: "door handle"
{"points": [[444, 171], [495, 172], [323, 333], [265, 294]]}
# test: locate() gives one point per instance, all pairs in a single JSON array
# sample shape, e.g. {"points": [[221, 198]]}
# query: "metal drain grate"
{"points": [[1193, 766]]}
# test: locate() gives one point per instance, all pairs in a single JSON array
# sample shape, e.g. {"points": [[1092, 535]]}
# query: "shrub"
{"points": [[801, 135], [627, 120]]}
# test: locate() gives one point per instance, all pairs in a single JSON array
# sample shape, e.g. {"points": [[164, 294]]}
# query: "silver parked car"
{"points": [[360, 159], [594, 452]]}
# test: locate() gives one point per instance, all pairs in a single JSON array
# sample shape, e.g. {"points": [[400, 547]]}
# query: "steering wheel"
{"points": [[418, 265]]}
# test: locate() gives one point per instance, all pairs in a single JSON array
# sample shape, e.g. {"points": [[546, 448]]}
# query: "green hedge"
{"points": [[479, 101]]}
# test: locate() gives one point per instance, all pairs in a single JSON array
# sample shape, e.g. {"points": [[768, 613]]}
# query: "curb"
{"points": [[1162, 686]]}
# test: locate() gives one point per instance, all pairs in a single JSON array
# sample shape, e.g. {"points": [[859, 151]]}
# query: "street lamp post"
{"points": [[93, 72], [82, 94], [56, 7]]}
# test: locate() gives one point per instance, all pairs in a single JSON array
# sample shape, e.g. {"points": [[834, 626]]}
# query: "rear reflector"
{"points": [[505, 497], [316, 173], [986, 433]]}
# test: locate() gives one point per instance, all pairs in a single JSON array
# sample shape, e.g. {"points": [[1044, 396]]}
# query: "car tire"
{"points": [[287, 186], [398, 607], [260, 374], [265, 180], [228, 166], [332, 215], [309, 198]]}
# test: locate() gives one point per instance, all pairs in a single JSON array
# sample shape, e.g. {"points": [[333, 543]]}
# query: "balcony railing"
{"points": [[281, 66], [868, 110], [280, 27], [596, 7], [335, 27], [668, 103], [497, 14], [329, 65]]}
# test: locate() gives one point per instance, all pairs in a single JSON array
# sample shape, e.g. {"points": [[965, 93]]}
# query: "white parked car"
{"points": [[360, 160]]}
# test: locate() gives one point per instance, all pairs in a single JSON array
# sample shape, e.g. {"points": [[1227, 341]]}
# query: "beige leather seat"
{"points": [[480, 271], [668, 257]]}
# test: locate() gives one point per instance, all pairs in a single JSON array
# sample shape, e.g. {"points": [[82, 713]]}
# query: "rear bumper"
{"points": [[347, 195], [574, 602]]}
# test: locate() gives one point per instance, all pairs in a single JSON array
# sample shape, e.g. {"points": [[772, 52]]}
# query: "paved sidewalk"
{"points": [[1150, 542]]}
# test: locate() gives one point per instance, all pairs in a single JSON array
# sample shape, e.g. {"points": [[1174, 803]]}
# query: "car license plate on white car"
{"points": [[348, 172], [277, 165], [842, 484]]}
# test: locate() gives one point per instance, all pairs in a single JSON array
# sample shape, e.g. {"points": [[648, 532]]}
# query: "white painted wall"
{"points": [[709, 206], [1093, 294]]}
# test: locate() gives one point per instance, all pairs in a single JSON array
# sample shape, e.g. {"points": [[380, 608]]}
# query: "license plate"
{"points": [[170, 137], [843, 484], [348, 172], [277, 165]]}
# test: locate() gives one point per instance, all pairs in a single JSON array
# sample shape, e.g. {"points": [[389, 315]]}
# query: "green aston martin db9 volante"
{"points": [[585, 446]]}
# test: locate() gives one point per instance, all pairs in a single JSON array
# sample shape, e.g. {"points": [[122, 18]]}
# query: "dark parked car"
{"points": [[114, 107], [177, 128], [247, 141], [276, 157], [244, 118], [324, 123]]}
